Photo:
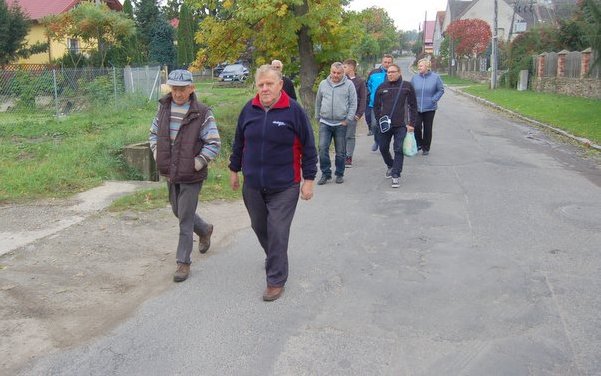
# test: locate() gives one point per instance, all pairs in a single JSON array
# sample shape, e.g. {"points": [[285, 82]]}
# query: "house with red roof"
{"points": [[38, 9], [428, 28]]}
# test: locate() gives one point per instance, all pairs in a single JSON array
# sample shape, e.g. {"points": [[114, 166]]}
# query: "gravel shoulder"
{"points": [[70, 270]]}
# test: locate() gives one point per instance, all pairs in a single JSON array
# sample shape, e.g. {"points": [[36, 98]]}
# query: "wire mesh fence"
{"points": [[60, 91]]}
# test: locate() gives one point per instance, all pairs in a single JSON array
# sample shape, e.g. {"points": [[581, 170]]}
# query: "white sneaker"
{"points": [[388, 173], [396, 182]]}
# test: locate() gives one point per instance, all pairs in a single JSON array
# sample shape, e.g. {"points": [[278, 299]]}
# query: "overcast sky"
{"points": [[408, 14]]}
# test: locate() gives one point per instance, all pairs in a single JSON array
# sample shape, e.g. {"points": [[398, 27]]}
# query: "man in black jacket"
{"points": [[288, 84], [390, 101]]}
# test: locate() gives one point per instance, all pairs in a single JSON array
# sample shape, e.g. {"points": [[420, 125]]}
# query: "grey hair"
{"points": [[265, 69], [337, 65]]}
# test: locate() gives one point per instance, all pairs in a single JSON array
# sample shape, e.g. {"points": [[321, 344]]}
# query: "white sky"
{"points": [[407, 14]]}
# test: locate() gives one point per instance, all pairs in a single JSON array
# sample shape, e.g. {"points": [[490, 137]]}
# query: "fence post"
{"points": [[561, 63], [585, 62], [115, 86], [55, 92], [540, 72]]}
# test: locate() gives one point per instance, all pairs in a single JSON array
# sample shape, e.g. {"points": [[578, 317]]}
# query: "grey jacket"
{"points": [[336, 102]]}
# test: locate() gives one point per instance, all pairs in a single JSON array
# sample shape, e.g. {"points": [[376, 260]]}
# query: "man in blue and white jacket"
{"points": [[375, 78]]}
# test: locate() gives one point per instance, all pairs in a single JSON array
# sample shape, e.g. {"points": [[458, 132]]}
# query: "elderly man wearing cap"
{"points": [[184, 139]]}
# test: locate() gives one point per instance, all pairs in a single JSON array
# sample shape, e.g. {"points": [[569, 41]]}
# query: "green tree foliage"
{"points": [[305, 32], [524, 46], [186, 48], [591, 10], [161, 49], [96, 26], [14, 27], [172, 9], [146, 14], [375, 36]]}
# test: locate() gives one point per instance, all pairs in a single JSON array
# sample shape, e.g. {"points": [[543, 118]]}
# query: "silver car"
{"points": [[234, 72]]}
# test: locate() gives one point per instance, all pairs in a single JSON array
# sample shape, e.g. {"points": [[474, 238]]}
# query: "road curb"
{"points": [[584, 141]]}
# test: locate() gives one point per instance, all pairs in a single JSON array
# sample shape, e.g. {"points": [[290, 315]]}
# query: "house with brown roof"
{"points": [[38, 9]]}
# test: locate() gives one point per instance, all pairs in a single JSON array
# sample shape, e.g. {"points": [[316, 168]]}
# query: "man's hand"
{"points": [[410, 128], [307, 190], [234, 180], [200, 162]]}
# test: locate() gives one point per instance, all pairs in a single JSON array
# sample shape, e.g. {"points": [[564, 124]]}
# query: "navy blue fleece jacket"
{"points": [[274, 148]]}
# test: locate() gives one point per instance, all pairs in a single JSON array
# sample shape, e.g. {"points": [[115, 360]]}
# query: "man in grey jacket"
{"points": [[335, 107]]}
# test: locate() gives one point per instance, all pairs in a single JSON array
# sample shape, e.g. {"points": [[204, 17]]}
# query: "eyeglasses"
{"points": [[392, 71]]}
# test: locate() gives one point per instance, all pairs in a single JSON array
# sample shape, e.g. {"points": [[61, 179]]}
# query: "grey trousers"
{"points": [[271, 215], [351, 130], [184, 200]]}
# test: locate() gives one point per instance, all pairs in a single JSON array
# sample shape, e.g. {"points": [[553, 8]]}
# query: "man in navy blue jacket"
{"points": [[274, 148]]}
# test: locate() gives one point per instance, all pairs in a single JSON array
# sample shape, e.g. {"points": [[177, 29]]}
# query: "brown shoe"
{"points": [[272, 293], [204, 242], [182, 272]]}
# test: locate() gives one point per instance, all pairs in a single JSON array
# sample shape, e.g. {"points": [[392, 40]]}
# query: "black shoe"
{"points": [[339, 180], [324, 179]]}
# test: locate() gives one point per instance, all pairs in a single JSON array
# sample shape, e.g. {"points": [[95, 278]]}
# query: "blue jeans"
{"points": [[397, 163], [326, 133]]}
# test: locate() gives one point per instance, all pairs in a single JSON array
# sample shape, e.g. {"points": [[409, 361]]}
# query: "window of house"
{"points": [[73, 45]]}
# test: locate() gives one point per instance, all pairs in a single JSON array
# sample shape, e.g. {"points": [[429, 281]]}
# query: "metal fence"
{"points": [[34, 88]]}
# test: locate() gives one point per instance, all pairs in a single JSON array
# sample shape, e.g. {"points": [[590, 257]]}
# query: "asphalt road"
{"points": [[485, 262]]}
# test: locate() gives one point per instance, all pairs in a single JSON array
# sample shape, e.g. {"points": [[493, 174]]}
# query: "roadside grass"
{"points": [[42, 157], [455, 81], [578, 116]]}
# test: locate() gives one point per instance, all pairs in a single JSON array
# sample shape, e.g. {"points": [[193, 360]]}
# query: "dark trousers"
{"points": [[398, 133], [423, 129], [368, 111], [271, 215], [375, 127], [184, 200]]}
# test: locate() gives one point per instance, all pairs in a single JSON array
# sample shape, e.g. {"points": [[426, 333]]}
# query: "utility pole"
{"points": [[493, 78]]}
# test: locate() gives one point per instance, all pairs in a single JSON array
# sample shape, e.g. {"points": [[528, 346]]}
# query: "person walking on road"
{"points": [[350, 68], [428, 91], [275, 150], [335, 108], [374, 79], [288, 84], [389, 101], [184, 139]]}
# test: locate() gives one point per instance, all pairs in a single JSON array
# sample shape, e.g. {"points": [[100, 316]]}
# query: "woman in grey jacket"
{"points": [[428, 90]]}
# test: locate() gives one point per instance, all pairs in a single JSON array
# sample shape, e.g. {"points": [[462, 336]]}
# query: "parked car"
{"points": [[234, 72], [218, 69]]}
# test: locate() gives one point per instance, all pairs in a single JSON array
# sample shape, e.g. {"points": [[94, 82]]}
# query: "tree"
{"points": [[146, 14], [591, 10], [172, 9], [96, 26], [470, 36], [186, 48], [161, 48], [376, 35], [14, 27], [307, 33]]}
